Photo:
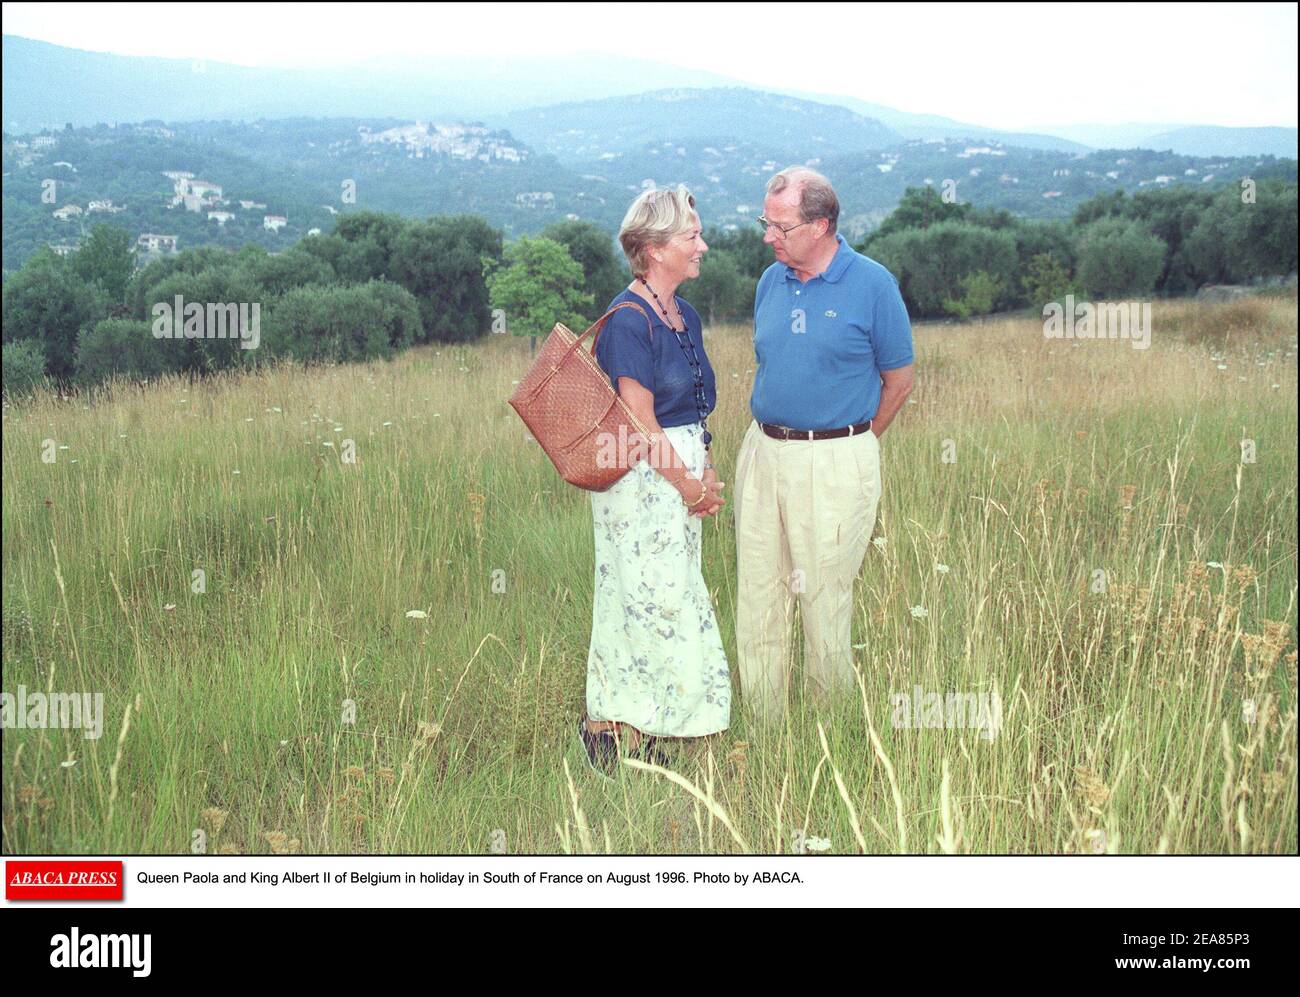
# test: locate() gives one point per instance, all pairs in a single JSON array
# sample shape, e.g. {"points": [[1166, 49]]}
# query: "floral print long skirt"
{"points": [[656, 659]]}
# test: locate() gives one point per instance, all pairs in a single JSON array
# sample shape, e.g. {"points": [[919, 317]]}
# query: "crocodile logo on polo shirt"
{"points": [[830, 313]]}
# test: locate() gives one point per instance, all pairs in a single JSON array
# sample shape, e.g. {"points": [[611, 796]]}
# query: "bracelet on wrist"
{"points": [[699, 498]]}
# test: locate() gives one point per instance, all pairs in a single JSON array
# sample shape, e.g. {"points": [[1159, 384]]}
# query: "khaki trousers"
{"points": [[804, 514]]}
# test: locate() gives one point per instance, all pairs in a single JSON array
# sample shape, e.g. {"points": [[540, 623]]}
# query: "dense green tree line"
{"points": [[374, 285], [955, 259], [378, 282]]}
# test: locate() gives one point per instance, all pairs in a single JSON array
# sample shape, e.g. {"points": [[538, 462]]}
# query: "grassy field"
{"points": [[283, 700]]}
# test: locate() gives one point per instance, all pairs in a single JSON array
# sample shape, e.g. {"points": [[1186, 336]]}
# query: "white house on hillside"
{"points": [[152, 243]]}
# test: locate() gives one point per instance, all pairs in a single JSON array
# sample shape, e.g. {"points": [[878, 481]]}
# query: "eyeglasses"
{"points": [[784, 230]]}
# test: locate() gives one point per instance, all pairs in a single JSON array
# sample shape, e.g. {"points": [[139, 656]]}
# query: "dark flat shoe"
{"points": [[650, 750], [601, 749]]}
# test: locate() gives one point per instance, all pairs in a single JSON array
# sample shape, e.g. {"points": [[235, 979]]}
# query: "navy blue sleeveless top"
{"points": [[624, 349]]}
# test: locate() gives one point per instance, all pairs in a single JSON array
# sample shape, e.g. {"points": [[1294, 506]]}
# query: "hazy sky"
{"points": [[1003, 65]]}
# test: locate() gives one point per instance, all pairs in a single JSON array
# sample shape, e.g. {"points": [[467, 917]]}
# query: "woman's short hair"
{"points": [[816, 195], [655, 216]]}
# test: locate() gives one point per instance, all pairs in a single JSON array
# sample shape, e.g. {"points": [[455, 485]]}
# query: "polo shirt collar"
{"points": [[835, 270]]}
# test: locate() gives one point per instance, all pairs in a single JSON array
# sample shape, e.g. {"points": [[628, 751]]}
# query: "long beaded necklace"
{"points": [[688, 349]]}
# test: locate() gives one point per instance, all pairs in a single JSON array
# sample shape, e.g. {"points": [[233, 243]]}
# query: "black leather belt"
{"points": [[786, 433]]}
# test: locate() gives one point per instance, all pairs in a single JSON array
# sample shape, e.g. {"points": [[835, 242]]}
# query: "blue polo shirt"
{"points": [[820, 346], [626, 349]]}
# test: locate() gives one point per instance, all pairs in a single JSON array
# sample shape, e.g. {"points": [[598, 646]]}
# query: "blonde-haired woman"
{"points": [[656, 667]]}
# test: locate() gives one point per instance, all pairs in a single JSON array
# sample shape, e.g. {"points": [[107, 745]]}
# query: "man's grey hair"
{"points": [[816, 195]]}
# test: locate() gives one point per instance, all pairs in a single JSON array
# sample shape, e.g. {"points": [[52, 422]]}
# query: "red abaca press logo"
{"points": [[63, 880]]}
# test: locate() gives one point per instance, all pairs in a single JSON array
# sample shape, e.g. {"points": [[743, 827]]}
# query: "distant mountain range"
{"points": [[49, 86], [577, 132], [932, 126], [272, 182], [223, 155], [1190, 140]]}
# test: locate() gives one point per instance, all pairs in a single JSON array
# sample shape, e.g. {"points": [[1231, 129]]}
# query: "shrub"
{"points": [[47, 302], [24, 367], [1044, 280], [979, 291], [1119, 258], [317, 324], [930, 263], [440, 261], [120, 346], [538, 285], [604, 274], [721, 291]]}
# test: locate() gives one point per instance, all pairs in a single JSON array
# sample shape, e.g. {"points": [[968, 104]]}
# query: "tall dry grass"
{"points": [[1072, 525]]}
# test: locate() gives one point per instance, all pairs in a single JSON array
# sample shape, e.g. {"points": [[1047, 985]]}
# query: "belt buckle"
{"points": [[788, 434]]}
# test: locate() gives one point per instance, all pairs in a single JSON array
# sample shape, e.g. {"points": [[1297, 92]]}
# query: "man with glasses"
{"points": [[833, 348]]}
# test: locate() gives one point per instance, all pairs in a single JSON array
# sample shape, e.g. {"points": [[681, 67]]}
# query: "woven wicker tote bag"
{"points": [[568, 404]]}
